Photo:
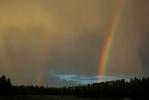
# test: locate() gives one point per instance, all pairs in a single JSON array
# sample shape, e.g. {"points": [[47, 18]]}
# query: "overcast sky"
{"points": [[58, 42]]}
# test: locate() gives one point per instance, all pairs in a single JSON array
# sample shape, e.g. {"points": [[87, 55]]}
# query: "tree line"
{"points": [[135, 88]]}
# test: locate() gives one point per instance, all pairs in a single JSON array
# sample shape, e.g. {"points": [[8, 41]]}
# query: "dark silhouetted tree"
{"points": [[6, 88]]}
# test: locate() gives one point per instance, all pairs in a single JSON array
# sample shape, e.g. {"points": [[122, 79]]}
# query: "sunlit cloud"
{"points": [[81, 80]]}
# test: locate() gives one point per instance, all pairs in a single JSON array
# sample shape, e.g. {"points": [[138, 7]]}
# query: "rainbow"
{"points": [[108, 41]]}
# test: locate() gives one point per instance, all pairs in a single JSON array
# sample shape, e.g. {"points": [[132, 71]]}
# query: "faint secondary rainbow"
{"points": [[108, 41]]}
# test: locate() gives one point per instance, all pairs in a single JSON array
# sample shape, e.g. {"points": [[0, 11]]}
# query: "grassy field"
{"points": [[47, 98]]}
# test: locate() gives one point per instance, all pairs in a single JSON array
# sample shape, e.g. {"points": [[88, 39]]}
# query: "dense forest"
{"points": [[135, 88]]}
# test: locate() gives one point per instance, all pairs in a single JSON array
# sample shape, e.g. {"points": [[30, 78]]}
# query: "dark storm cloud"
{"points": [[130, 39], [36, 34], [141, 22], [144, 52], [20, 55], [44, 37], [74, 57]]}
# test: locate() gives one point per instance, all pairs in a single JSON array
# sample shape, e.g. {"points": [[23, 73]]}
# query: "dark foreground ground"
{"points": [[45, 98], [49, 98]]}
